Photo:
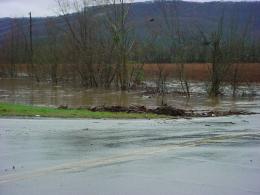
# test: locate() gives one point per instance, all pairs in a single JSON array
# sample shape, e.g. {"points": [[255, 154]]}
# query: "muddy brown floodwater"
{"points": [[219, 155], [25, 92]]}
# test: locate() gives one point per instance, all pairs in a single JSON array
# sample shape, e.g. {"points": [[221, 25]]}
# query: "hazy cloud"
{"points": [[17, 8]]}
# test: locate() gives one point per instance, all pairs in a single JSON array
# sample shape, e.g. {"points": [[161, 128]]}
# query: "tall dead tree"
{"points": [[238, 38], [82, 32], [121, 34], [53, 55], [227, 48], [12, 52], [174, 35], [33, 70], [161, 82], [219, 64]]}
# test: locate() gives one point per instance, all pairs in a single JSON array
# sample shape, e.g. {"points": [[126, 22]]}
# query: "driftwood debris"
{"points": [[165, 110], [63, 107], [130, 109]]}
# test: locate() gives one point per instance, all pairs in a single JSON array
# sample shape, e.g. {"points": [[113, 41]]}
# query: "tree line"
{"points": [[97, 45]]}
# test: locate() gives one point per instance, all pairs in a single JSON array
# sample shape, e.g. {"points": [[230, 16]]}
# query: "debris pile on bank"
{"points": [[165, 110]]}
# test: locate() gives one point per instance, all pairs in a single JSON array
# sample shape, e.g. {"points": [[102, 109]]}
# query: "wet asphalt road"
{"points": [[196, 156]]}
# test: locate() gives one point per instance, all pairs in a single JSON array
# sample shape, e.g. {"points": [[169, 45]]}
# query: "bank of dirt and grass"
{"points": [[18, 110], [109, 112]]}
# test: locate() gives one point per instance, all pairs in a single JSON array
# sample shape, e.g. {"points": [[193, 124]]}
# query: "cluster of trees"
{"points": [[96, 44], [14, 48]]}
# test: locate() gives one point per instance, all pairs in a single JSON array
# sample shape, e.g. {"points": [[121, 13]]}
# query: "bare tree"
{"points": [[82, 29], [175, 36], [33, 70], [161, 82], [237, 40], [219, 63], [53, 56], [122, 39], [14, 47], [136, 75]]}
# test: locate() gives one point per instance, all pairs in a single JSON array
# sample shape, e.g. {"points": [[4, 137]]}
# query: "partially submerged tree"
{"points": [[82, 32], [53, 49], [14, 48], [227, 48], [238, 46], [219, 64], [99, 47], [176, 42], [161, 82], [123, 41]]}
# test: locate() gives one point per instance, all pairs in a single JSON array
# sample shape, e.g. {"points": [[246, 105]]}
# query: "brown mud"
{"points": [[163, 110]]}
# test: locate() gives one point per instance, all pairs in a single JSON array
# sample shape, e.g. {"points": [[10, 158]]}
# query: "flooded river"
{"points": [[202, 156], [25, 92]]}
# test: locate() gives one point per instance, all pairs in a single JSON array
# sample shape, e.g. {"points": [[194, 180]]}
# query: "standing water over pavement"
{"points": [[219, 155], [186, 156]]}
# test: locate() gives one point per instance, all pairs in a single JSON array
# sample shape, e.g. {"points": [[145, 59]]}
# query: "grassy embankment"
{"points": [[7, 109]]}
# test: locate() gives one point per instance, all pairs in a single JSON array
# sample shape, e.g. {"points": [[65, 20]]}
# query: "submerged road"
{"points": [[196, 156]]}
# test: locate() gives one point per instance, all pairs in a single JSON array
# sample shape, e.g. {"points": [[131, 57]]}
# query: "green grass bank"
{"points": [[18, 110]]}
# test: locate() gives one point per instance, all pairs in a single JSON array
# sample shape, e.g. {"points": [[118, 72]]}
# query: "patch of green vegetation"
{"points": [[7, 109]]}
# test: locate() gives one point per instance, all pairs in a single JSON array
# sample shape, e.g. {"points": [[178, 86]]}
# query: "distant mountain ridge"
{"points": [[204, 14]]}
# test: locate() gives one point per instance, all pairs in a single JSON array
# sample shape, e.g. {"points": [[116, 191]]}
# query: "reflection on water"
{"points": [[24, 91], [27, 92]]}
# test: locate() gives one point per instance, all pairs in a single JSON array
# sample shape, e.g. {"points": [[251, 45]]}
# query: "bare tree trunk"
{"points": [[33, 69], [174, 33], [122, 40]]}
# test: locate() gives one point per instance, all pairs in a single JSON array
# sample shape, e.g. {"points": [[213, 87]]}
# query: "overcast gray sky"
{"points": [[18, 8]]}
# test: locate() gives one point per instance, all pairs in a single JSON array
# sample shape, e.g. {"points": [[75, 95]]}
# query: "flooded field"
{"points": [[203, 156], [25, 92], [196, 156]]}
